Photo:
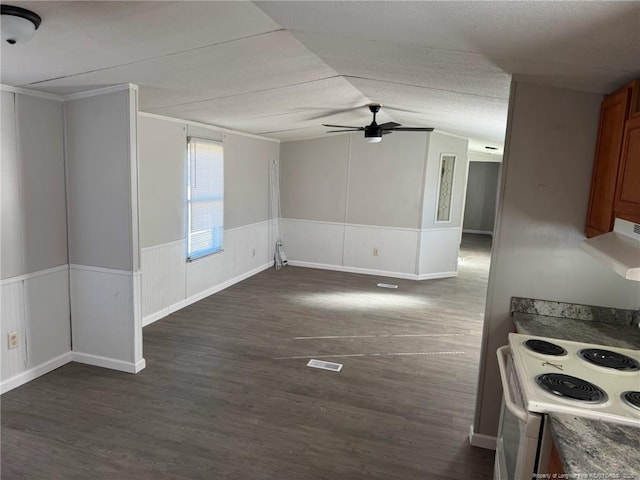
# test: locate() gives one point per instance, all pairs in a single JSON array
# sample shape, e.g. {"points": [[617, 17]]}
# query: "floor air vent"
{"points": [[387, 285], [334, 367]]}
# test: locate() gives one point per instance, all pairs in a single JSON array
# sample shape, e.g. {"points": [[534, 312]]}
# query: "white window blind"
{"points": [[205, 197]]}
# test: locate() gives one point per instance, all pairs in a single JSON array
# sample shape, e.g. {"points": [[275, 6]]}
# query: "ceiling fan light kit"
{"points": [[373, 132], [18, 24]]}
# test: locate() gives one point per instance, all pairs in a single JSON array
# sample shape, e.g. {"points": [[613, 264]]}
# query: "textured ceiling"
{"points": [[283, 68]]}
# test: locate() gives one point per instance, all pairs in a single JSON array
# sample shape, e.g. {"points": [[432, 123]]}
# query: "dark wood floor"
{"points": [[221, 397]]}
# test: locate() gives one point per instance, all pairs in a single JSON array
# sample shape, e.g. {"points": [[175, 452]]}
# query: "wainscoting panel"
{"points": [[14, 361], [169, 282], [250, 247], [396, 248], [36, 306], [163, 276], [350, 248], [311, 242], [48, 317], [103, 316], [439, 252]]}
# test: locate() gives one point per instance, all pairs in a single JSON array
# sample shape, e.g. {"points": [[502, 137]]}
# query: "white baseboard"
{"points": [[112, 363], [370, 271], [479, 232], [35, 372], [59, 361], [149, 319], [432, 276], [480, 440], [364, 271]]}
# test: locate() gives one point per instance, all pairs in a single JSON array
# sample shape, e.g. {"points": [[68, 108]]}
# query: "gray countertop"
{"points": [[601, 333], [590, 448]]}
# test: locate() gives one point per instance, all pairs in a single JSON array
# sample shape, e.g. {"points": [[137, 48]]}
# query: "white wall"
{"points": [[102, 172], [440, 241], [34, 287], [343, 197], [545, 184], [482, 191], [103, 285], [168, 281], [313, 179], [162, 149], [101, 203]]}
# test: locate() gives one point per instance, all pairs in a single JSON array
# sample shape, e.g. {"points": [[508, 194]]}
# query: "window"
{"points": [[205, 197], [445, 187]]}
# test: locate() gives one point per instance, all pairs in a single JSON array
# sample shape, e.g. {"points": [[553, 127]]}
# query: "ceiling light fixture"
{"points": [[373, 132], [18, 24]]}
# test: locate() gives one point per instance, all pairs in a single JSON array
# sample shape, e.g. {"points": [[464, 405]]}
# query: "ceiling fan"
{"points": [[373, 132]]}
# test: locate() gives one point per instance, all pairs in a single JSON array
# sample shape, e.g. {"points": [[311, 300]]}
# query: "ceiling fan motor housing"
{"points": [[372, 131]]}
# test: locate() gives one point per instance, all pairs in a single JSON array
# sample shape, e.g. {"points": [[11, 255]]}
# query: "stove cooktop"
{"points": [[594, 381]]}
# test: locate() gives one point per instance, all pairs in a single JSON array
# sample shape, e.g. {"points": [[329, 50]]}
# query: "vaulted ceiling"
{"points": [[281, 69]]}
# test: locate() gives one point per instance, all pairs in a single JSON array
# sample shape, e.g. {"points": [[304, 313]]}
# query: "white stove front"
{"points": [[529, 365]]}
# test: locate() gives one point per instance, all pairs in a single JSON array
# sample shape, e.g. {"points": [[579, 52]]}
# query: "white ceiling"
{"points": [[282, 69]]}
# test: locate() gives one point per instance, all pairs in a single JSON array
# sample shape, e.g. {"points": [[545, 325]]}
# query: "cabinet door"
{"points": [[627, 201], [555, 463], [613, 115]]}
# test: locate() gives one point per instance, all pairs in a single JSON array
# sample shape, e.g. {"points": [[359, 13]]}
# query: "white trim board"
{"points": [[100, 91], [206, 125], [68, 357], [184, 240], [173, 243], [32, 93], [433, 276], [109, 271], [154, 317], [39, 273], [438, 229], [358, 225], [35, 372], [370, 271], [480, 440], [111, 363]]}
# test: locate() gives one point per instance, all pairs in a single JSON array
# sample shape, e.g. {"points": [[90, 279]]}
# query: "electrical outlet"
{"points": [[376, 252], [12, 340]]}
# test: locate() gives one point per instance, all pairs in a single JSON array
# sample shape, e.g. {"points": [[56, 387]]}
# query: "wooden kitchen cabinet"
{"points": [[614, 112], [627, 197], [555, 464]]}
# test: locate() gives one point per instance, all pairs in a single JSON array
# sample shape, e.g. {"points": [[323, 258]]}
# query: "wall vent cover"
{"points": [[334, 367], [636, 228]]}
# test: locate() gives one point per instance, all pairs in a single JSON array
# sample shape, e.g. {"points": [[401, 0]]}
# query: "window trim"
{"points": [[440, 192], [193, 256]]}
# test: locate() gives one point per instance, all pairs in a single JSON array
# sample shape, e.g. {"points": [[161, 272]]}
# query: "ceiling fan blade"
{"points": [[335, 131], [328, 113], [387, 132], [389, 125], [387, 107], [412, 129], [341, 126]]}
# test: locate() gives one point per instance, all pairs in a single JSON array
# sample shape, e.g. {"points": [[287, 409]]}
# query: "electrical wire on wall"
{"points": [[279, 257]]}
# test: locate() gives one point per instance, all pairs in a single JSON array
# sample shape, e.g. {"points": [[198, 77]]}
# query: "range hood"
{"points": [[619, 250]]}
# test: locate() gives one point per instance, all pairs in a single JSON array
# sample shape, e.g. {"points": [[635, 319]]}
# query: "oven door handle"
{"points": [[513, 407]]}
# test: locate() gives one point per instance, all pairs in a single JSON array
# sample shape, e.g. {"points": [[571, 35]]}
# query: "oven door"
{"points": [[519, 431]]}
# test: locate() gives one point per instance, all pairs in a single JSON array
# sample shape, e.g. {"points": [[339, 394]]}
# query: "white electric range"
{"points": [[593, 381], [547, 375]]}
